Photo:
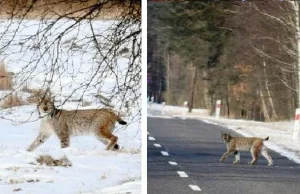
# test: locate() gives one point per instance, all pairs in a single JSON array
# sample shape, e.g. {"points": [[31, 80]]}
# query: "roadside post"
{"points": [[218, 109], [163, 108], [185, 105], [151, 102], [296, 125]]}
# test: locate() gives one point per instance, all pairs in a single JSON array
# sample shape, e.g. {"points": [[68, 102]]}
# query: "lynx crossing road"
{"points": [[183, 157]]}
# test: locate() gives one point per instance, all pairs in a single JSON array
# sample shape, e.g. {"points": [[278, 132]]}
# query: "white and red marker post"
{"points": [[297, 125], [218, 108], [185, 105], [163, 108]]}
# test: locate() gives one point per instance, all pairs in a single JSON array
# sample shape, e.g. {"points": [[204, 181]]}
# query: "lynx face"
{"points": [[236, 144], [46, 106], [225, 137]]}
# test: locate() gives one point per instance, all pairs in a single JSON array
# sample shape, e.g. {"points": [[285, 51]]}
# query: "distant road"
{"points": [[196, 148]]}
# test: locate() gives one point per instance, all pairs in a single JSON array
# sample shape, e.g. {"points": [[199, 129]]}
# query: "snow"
{"points": [[93, 170], [280, 133], [73, 56]]}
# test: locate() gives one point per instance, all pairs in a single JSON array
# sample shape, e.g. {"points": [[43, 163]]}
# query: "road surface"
{"points": [[193, 150]]}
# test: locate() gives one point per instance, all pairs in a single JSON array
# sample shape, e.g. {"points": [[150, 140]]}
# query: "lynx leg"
{"points": [[226, 154], [105, 142], [237, 157], [63, 135], [254, 153], [64, 141], [41, 138], [112, 139], [265, 154]]}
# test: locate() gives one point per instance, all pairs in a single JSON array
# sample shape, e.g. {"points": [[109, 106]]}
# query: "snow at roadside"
{"points": [[280, 133]]}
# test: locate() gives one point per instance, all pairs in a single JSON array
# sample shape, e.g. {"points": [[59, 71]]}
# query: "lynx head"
{"points": [[225, 137], [46, 105]]}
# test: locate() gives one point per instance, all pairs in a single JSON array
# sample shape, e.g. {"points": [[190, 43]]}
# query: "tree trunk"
{"points": [[264, 107], [266, 81], [207, 98], [227, 100], [297, 27], [167, 59], [194, 79]]}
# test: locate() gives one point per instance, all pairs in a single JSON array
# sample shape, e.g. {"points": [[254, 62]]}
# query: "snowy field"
{"points": [[93, 169], [280, 133]]}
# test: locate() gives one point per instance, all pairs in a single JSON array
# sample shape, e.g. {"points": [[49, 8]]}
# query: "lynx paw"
{"points": [[236, 162]]}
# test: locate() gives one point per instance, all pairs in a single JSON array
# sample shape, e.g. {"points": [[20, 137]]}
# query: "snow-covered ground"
{"points": [[93, 169], [280, 133]]}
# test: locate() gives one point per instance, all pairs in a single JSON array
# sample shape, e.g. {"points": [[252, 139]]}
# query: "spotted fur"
{"points": [[64, 124], [253, 144]]}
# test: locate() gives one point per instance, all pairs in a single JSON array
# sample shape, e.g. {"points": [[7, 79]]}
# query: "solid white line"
{"points": [[148, 133], [173, 163], [151, 138], [157, 145], [164, 153], [195, 187], [182, 174]]}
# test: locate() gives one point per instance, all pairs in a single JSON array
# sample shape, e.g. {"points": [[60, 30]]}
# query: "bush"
{"points": [[12, 100], [5, 78]]}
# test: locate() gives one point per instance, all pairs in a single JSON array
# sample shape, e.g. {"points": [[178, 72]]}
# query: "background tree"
{"points": [[57, 20], [245, 51]]}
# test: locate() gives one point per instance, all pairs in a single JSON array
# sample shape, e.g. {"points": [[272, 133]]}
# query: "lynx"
{"points": [[253, 144], [67, 123]]}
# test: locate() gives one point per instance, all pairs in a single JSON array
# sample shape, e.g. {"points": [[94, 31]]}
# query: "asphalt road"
{"points": [[196, 147]]}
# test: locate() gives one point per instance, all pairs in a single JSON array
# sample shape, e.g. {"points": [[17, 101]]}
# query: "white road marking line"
{"points": [[195, 187], [164, 153], [182, 174], [148, 133], [151, 138], [173, 163], [157, 145]]}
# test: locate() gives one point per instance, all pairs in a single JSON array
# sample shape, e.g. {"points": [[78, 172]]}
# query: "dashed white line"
{"points": [[157, 145], [195, 188], [173, 163], [182, 174]]}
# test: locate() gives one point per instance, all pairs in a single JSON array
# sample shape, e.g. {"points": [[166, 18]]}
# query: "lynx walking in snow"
{"points": [[64, 124], [254, 144]]}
